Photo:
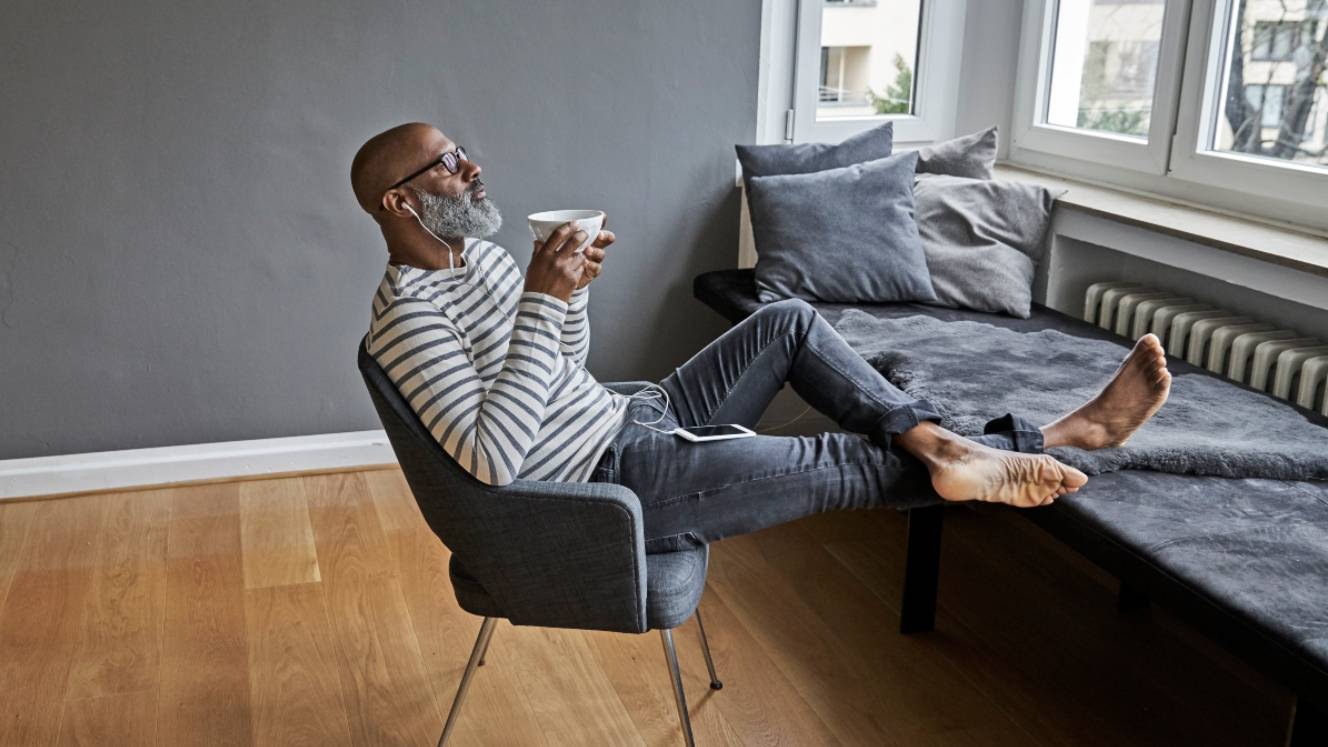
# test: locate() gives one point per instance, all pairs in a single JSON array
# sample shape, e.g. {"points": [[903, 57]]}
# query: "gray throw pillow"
{"points": [[983, 240], [804, 158], [844, 235], [971, 155]]}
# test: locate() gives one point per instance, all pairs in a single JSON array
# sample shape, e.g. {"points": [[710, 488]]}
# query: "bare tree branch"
{"points": [[1311, 59], [1240, 115]]}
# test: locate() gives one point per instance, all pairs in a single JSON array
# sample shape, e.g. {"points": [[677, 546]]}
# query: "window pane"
{"points": [[1272, 106], [1104, 65], [1272, 87], [869, 52]]}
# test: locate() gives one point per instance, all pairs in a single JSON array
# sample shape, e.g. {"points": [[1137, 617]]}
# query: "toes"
{"points": [[1148, 351], [1147, 358], [1072, 478], [1161, 379]]}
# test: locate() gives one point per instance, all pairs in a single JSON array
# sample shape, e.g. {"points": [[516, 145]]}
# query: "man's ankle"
{"points": [[930, 443]]}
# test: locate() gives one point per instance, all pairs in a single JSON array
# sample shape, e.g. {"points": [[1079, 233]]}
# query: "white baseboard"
{"points": [[136, 468]]}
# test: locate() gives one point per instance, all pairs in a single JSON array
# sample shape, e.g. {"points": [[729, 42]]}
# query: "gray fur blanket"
{"points": [[973, 371]]}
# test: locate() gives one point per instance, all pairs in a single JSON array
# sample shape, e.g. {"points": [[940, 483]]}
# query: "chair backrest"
{"points": [[431, 472], [561, 554]]}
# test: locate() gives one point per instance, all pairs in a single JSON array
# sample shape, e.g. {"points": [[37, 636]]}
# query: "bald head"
{"points": [[390, 155]]}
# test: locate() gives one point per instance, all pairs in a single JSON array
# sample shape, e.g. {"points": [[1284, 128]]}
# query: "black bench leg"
{"points": [[921, 569], [1309, 726], [1130, 599]]}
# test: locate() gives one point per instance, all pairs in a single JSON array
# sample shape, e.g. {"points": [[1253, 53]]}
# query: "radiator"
{"points": [[1279, 361]]}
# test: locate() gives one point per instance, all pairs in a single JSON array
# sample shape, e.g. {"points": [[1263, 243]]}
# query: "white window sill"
{"points": [[1292, 247]]}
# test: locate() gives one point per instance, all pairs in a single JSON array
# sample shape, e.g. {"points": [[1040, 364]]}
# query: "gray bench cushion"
{"points": [[1257, 548]]}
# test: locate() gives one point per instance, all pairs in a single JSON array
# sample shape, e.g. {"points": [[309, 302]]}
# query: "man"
{"points": [[497, 375]]}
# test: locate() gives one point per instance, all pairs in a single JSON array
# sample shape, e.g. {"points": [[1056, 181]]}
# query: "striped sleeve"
{"points": [[488, 432], [575, 340]]}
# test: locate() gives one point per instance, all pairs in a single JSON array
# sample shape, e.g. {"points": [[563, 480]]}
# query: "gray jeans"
{"points": [[694, 493]]}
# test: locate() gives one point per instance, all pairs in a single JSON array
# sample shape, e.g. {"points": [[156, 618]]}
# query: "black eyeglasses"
{"points": [[451, 160]]}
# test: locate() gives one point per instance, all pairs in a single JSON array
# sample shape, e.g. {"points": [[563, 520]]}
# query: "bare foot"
{"points": [[1136, 391], [963, 470]]}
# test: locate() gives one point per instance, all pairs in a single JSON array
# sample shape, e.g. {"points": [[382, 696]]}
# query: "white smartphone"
{"points": [[713, 432]]}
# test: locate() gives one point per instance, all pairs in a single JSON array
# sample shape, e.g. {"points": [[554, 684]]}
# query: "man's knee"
{"points": [[791, 308]]}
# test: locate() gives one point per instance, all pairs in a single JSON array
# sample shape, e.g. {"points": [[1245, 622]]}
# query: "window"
{"points": [[1278, 65], [1278, 40], [1201, 99], [843, 91], [869, 51], [1098, 79], [1263, 105], [857, 63], [1104, 65]]}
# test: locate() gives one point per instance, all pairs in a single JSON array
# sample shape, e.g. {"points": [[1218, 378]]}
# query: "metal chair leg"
{"points": [[484, 651], [672, 657], [715, 684], [481, 643]]}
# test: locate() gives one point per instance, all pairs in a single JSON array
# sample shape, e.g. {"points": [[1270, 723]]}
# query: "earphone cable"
{"points": [[786, 423]]}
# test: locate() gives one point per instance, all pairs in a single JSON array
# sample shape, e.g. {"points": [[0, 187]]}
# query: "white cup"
{"points": [[542, 225]]}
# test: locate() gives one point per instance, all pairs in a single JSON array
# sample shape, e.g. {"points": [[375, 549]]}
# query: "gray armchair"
{"points": [[552, 554]]}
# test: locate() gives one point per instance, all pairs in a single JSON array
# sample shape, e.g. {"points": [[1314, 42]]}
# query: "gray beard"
{"points": [[459, 216]]}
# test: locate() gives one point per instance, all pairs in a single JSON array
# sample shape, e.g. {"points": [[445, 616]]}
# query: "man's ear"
{"points": [[395, 203]]}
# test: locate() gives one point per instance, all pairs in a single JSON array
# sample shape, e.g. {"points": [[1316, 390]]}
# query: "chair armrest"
{"points": [[556, 554]]}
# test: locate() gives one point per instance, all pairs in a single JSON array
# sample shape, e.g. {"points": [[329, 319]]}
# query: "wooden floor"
{"points": [[317, 610]]}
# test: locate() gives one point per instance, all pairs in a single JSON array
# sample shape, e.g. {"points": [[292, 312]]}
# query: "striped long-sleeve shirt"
{"points": [[496, 374]]}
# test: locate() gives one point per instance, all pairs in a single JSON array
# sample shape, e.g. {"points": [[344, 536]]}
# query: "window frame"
{"points": [[1302, 186], [791, 36], [1030, 132]]}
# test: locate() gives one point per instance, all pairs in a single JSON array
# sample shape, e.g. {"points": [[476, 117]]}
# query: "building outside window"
{"points": [[869, 53], [1276, 58], [1105, 65], [1278, 40]]}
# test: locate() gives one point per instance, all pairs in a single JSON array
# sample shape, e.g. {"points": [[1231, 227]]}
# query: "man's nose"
{"points": [[470, 170]]}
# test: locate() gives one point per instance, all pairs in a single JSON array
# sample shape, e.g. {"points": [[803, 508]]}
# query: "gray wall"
{"points": [[181, 258], [991, 56]]}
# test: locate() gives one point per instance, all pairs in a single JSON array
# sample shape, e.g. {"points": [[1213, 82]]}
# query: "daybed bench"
{"points": [[1244, 560]]}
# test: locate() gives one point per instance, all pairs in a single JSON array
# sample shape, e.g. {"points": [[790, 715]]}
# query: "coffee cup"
{"points": [[543, 224]]}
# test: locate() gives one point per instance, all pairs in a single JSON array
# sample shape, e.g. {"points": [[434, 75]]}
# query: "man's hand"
{"points": [[594, 257], [554, 271]]}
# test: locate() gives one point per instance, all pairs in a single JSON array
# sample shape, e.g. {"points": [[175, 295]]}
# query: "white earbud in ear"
{"points": [[412, 210]]}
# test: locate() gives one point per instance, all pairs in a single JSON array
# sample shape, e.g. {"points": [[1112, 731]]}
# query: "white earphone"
{"points": [[645, 393], [450, 265]]}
